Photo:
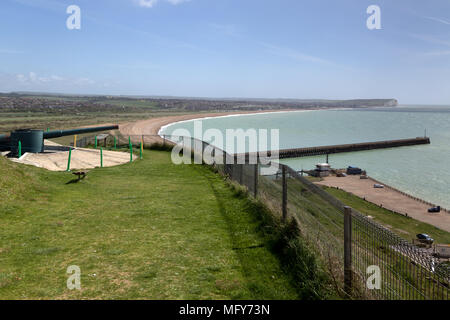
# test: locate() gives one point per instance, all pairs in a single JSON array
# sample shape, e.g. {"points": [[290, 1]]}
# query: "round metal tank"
{"points": [[31, 140]]}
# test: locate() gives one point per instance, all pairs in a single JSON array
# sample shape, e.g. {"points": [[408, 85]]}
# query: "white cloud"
{"points": [[440, 20], [152, 3], [33, 81], [293, 54], [33, 78], [431, 39], [147, 3], [175, 2]]}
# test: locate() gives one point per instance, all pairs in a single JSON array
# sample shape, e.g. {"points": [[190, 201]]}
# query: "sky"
{"points": [[313, 49]]}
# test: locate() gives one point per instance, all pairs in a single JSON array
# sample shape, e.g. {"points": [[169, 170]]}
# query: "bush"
{"points": [[159, 146]]}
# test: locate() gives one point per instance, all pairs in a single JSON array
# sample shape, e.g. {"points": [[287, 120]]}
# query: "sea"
{"points": [[422, 171]]}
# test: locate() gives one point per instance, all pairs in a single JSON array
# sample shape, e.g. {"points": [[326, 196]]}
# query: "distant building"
{"points": [[322, 170]]}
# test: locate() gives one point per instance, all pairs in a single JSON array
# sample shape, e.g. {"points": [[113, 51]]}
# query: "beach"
{"points": [[150, 128]]}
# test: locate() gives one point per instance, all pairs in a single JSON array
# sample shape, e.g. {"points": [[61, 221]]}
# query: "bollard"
{"points": [[131, 153], [101, 157], [68, 161], [20, 149], [75, 141]]}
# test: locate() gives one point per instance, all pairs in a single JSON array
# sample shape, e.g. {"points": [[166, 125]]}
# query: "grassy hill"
{"points": [[147, 230]]}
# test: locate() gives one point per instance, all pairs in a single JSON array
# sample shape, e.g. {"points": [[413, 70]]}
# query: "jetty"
{"points": [[340, 148]]}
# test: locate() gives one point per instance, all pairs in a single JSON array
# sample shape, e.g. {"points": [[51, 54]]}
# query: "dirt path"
{"points": [[390, 199]]}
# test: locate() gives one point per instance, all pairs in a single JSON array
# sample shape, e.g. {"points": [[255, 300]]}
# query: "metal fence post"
{"points": [[284, 203], [241, 174], [348, 250], [20, 149], [131, 152], [68, 160], [256, 172]]}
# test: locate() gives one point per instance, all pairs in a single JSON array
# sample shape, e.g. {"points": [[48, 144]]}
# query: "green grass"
{"points": [[149, 230], [405, 227]]}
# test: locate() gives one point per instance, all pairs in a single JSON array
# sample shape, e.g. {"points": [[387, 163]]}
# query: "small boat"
{"points": [[378, 186]]}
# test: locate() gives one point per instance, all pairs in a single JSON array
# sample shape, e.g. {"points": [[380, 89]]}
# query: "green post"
{"points": [[131, 153], [48, 129], [140, 151], [68, 161], [20, 149], [115, 143], [101, 157], [95, 142]]}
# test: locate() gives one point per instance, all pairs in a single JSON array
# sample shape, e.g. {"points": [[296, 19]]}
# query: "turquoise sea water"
{"points": [[423, 171]]}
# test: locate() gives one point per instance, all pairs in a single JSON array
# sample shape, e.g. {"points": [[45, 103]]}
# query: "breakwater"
{"points": [[323, 150]]}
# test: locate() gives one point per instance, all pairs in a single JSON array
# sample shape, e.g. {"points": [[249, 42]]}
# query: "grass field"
{"points": [[405, 227], [12, 121], [149, 230]]}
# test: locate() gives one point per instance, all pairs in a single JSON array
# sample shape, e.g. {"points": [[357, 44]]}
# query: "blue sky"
{"points": [[229, 48]]}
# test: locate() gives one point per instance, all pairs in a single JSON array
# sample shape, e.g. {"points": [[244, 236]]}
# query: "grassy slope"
{"points": [[144, 230], [405, 227]]}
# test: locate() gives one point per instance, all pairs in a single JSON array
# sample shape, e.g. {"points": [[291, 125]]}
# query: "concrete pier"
{"points": [[323, 150]]}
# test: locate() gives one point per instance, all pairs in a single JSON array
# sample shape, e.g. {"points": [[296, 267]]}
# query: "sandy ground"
{"points": [[153, 125], [56, 160], [390, 199]]}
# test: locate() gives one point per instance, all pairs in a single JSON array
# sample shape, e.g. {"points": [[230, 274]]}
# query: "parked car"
{"points": [[435, 209], [354, 170], [378, 186], [424, 238]]}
